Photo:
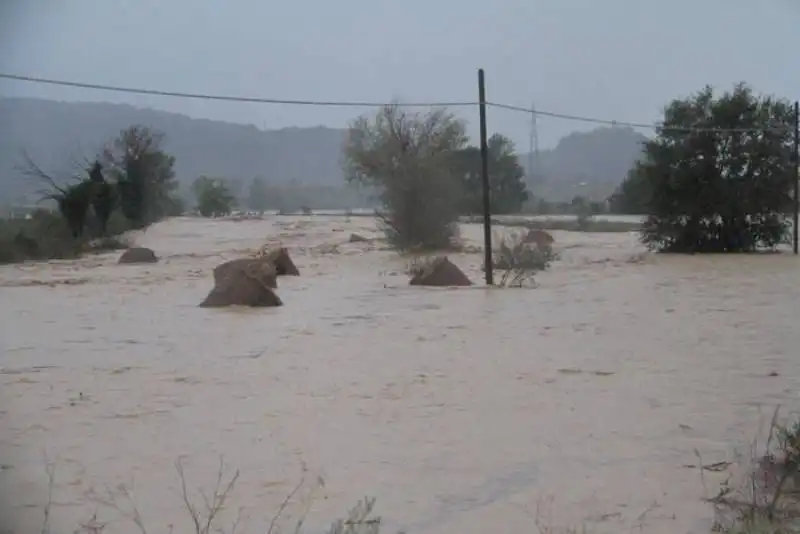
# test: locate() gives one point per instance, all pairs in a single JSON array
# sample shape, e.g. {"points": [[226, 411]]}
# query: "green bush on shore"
{"points": [[46, 236]]}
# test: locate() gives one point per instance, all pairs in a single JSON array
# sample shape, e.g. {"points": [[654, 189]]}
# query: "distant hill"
{"points": [[590, 164], [54, 132]]}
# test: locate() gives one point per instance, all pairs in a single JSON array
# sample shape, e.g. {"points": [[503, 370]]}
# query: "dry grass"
{"points": [[765, 497], [204, 510]]}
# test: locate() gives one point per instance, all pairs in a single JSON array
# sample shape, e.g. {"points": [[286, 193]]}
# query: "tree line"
{"points": [[725, 184], [132, 177], [218, 196], [718, 176]]}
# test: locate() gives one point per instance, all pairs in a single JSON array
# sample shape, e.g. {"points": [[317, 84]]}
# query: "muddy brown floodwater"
{"points": [[466, 411]]}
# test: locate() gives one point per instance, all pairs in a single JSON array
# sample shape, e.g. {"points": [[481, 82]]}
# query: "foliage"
{"points": [[46, 235], [633, 195], [520, 259], [141, 192], [214, 198], [507, 189], [90, 199], [144, 175], [103, 196], [718, 191], [258, 196], [767, 499], [410, 158], [584, 211]]}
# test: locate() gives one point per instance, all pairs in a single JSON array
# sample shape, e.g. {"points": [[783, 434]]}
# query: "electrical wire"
{"points": [[651, 126], [227, 98], [334, 103]]}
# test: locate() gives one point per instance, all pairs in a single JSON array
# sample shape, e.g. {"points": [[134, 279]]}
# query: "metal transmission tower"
{"points": [[533, 146]]}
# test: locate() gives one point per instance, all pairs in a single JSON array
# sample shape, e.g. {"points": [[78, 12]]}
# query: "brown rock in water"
{"points": [[539, 238], [259, 268], [138, 255], [442, 273], [243, 283], [282, 261], [355, 238]]}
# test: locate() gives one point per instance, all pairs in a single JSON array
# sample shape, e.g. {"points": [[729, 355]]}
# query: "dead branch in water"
{"points": [[202, 525]]}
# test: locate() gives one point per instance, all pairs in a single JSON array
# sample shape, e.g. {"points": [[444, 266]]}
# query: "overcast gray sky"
{"points": [[617, 59]]}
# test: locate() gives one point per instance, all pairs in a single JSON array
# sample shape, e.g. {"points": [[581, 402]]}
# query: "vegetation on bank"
{"points": [[427, 175], [571, 224], [213, 196], [46, 236], [130, 185], [718, 177]]}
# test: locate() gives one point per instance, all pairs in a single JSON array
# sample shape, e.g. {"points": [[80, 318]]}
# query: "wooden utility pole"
{"points": [[795, 173], [487, 216]]}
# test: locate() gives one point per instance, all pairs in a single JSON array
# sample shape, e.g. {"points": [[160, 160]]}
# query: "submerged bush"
{"points": [[519, 260]]}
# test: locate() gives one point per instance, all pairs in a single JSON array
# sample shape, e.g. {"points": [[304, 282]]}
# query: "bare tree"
{"points": [[73, 199], [410, 157]]}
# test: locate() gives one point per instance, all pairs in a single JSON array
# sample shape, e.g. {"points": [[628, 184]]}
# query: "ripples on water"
{"points": [[459, 409]]}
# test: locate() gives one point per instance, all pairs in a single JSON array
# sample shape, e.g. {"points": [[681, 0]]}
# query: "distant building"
{"points": [[23, 211]]}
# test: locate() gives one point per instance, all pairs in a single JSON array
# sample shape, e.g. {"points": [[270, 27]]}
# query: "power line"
{"points": [[611, 122], [227, 98], [335, 103]]}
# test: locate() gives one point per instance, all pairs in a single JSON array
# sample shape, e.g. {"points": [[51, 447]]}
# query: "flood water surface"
{"points": [[472, 410]]}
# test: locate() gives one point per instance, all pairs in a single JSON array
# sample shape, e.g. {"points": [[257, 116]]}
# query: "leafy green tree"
{"points": [[579, 205], [213, 196], [144, 174], [258, 196], [633, 195], [724, 185], [103, 196], [596, 208], [507, 189], [411, 159]]}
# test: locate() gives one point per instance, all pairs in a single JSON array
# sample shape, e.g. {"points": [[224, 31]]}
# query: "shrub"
{"points": [[409, 158], [520, 260], [767, 500]]}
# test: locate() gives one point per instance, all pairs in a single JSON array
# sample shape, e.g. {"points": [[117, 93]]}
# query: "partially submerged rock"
{"points": [[355, 238], [244, 282], [539, 238], [283, 263], [259, 268], [440, 272], [138, 255]]}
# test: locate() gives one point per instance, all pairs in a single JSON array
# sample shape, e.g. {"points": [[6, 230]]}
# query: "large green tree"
{"points": [[633, 195], [411, 159], [144, 174], [718, 173], [103, 196], [507, 189], [213, 196]]}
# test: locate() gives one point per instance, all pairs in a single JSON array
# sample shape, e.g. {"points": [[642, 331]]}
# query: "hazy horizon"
{"points": [[616, 60]]}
